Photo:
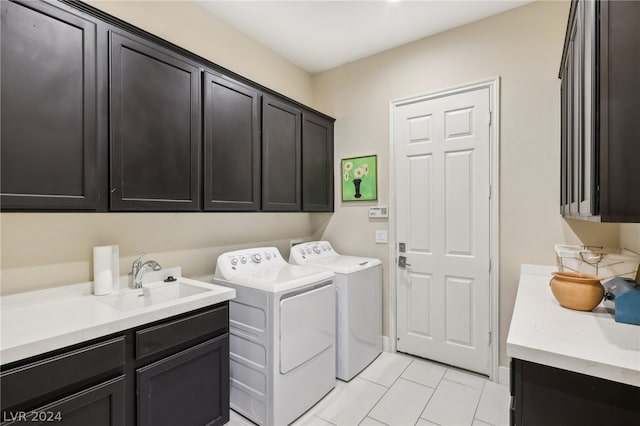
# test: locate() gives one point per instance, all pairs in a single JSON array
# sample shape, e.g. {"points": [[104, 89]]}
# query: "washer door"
{"points": [[307, 326]]}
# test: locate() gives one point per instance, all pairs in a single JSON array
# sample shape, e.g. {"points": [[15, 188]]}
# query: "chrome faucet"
{"points": [[138, 269]]}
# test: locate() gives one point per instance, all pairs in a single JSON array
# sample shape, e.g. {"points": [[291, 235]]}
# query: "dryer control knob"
{"points": [[234, 261], [256, 258], [243, 259], [316, 250], [267, 256]]}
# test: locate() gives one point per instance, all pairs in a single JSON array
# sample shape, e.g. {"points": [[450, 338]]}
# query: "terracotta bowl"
{"points": [[575, 290]]}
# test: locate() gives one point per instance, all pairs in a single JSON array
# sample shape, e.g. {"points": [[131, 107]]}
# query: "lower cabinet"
{"points": [[186, 388], [543, 395], [100, 405], [170, 372]]}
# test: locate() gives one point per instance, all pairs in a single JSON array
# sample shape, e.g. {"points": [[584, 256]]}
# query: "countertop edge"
{"points": [[576, 365]]}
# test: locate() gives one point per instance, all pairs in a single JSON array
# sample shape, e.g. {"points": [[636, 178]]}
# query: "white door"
{"points": [[442, 191]]}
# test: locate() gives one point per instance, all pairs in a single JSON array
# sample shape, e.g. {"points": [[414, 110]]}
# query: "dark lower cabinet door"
{"points": [[48, 103], [231, 146], [280, 156], [544, 395], [317, 164], [190, 388], [155, 127], [100, 405]]}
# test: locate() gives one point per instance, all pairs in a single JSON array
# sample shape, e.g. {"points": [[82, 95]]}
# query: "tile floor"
{"points": [[402, 390]]}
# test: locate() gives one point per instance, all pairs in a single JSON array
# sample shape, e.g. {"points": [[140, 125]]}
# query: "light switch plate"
{"points": [[381, 236]]}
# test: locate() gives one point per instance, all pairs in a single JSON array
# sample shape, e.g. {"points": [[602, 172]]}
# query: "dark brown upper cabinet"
{"points": [[600, 100], [317, 163], [98, 115], [155, 127], [231, 145], [48, 102], [281, 157]]}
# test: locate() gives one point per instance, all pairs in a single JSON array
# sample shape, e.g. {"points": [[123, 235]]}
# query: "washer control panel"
{"points": [[306, 252], [247, 260]]}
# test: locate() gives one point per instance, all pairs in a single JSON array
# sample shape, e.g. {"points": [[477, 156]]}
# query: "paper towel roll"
{"points": [[115, 268], [102, 276]]}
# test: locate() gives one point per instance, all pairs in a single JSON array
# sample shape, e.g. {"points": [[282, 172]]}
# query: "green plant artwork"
{"points": [[359, 178]]}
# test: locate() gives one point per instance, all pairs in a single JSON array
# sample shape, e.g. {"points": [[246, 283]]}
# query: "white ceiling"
{"points": [[323, 34]]}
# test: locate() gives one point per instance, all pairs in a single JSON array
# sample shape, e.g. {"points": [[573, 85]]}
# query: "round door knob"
{"points": [[316, 250], [243, 259], [256, 258], [234, 261]]}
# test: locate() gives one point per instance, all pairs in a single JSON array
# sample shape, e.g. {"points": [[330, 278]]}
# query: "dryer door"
{"points": [[307, 326]]}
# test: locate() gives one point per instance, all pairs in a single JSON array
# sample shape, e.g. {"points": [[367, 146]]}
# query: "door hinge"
{"points": [[490, 189], [489, 118], [489, 338], [489, 265]]}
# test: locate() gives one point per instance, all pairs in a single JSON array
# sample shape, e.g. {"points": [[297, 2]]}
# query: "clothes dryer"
{"points": [[282, 334], [359, 303]]}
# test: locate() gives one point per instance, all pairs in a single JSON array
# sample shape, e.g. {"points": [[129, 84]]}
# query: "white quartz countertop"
{"points": [[36, 322], [590, 343]]}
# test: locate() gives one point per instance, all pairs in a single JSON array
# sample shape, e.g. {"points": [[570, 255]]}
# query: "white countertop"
{"points": [[590, 343], [36, 322]]}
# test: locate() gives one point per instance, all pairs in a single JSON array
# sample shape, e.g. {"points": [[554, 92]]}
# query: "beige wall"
{"points": [[522, 46], [630, 236], [42, 250], [189, 25]]}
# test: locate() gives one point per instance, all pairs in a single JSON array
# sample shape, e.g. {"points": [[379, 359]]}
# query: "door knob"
{"points": [[402, 262]]}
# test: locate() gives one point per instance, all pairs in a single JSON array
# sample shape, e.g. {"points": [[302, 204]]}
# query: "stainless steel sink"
{"points": [[156, 293]]}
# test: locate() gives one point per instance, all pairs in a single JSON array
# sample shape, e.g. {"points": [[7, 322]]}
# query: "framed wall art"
{"points": [[360, 178]]}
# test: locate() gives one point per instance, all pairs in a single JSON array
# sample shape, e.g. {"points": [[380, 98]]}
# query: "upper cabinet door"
{"points": [[317, 163], [600, 100], [619, 97], [48, 132], [280, 156], [155, 127], [231, 146]]}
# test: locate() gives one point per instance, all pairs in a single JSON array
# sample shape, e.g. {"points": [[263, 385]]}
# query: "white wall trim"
{"points": [[385, 344], [504, 375], [493, 84]]}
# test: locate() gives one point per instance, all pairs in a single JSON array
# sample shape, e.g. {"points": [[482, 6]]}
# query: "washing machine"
{"points": [[359, 303], [282, 334]]}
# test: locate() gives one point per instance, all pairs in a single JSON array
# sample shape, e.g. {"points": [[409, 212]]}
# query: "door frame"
{"points": [[493, 84]]}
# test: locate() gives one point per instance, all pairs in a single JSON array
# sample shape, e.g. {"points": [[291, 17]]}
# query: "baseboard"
{"points": [[385, 343], [504, 375]]}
